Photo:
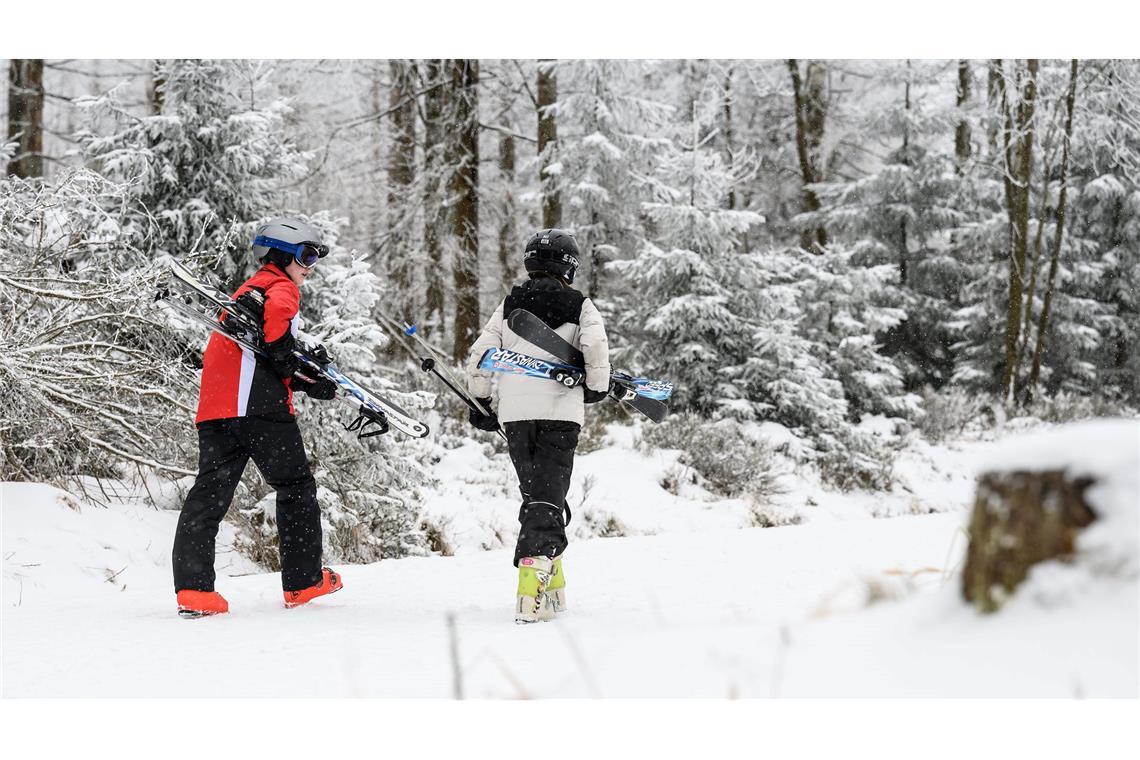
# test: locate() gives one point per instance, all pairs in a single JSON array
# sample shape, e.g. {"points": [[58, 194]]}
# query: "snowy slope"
{"points": [[753, 612]]}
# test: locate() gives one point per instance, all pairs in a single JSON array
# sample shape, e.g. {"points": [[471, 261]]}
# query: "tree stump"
{"points": [[1020, 518]]}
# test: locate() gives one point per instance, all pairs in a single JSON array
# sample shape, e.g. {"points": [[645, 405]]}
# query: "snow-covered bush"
{"points": [[765, 514], [728, 462], [90, 378], [1071, 407], [949, 411], [593, 434]]}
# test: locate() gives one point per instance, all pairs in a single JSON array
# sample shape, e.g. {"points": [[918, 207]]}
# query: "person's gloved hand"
{"points": [[323, 389], [488, 422], [281, 355], [592, 396], [248, 311], [319, 354]]}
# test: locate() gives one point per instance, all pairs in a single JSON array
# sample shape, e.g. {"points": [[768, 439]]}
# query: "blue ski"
{"points": [[515, 363]]}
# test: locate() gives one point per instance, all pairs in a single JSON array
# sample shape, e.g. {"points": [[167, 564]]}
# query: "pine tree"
{"points": [[677, 274], [899, 215], [732, 329], [606, 144], [208, 169]]}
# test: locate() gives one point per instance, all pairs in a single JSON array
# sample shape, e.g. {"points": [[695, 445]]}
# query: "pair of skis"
{"points": [[212, 307], [643, 394]]}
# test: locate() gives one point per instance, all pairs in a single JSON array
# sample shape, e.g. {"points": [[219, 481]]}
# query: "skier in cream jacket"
{"points": [[542, 418]]}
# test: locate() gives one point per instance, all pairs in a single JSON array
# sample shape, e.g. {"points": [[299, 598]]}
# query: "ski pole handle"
{"points": [[428, 365]]}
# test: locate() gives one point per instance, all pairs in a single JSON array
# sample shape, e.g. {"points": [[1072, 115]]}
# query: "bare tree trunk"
{"points": [[464, 189], [548, 143], [401, 176], [904, 246], [729, 154], [157, 88], [810, 111], [1043, 323], [995, 94], [435, 214], [26, 116], [962, 148], [1019, 167], [509, 248], [1030, 290]]}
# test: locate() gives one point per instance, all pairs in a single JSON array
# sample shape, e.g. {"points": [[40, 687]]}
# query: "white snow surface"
{"points": [[690, 602]]}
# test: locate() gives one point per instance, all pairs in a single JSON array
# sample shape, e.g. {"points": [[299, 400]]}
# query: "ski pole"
{"points": [[428, 364]]}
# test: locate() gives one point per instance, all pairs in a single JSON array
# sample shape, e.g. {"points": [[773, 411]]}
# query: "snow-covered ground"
{"points": [[618, 489], [691, 601]]}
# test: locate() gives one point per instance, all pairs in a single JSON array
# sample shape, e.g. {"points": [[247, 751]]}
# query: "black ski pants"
{"points": [[543, 454], [224, 448]]}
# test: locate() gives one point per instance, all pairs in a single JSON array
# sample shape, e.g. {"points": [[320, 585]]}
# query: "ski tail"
{"points": [[530, 328]]}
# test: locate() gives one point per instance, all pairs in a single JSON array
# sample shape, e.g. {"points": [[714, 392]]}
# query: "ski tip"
{"points": [[410, 330]]}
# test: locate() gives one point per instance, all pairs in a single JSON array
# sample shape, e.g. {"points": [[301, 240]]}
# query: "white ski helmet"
{"points": [[291, 235]]}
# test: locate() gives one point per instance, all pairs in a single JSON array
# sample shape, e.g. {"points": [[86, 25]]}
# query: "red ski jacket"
{"points": [[235, 381]]}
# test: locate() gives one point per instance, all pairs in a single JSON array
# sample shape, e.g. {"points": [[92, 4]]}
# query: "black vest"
{"points": [[548, 299]]}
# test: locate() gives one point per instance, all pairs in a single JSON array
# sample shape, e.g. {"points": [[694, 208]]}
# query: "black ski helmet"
{"points": [[552, 251]]}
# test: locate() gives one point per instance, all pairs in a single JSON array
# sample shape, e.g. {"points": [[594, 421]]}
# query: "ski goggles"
{"points": [[306, 254]]}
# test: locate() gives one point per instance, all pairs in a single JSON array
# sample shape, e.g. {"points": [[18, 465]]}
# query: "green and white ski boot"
{"points": [[534, 602], [556, 589]]}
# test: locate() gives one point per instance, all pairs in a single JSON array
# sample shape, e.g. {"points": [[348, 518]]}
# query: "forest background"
{"points": [[802, 246]]}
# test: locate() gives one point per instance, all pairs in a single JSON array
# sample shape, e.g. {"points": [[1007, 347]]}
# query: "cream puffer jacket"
{"points": [[534, 398]]}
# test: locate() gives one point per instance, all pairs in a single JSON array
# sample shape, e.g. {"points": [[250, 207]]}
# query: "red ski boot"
{"points": [[193, 604], [330, 583]]}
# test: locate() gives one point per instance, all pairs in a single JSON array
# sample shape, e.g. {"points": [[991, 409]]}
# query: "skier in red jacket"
{"points": [[245, 411]]}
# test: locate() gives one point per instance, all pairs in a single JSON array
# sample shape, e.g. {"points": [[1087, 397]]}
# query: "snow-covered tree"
{"points": [[213, 158], [608, 135], [680, 317], [735, 331], [1081, 318], [1105, 208], [899, 213]]}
